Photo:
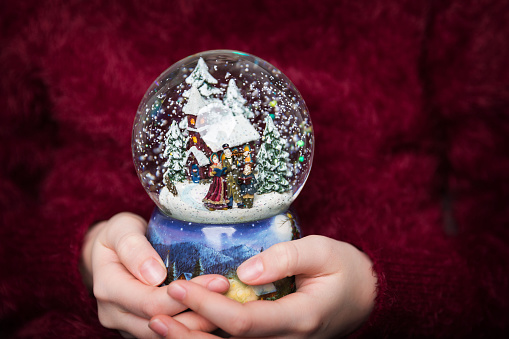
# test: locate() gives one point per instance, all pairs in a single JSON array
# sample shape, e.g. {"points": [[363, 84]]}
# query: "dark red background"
{"points": [[409, 100]]}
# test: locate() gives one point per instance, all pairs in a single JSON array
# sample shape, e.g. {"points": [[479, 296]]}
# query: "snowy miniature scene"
{"points": [[222, 137], [192, 249]]}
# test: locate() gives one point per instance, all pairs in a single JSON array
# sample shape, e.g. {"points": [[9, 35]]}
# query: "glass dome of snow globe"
{"points": [[222, 137]]}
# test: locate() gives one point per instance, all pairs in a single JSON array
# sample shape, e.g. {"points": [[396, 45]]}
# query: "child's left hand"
{"points": [[124, 270], [336, 288]]}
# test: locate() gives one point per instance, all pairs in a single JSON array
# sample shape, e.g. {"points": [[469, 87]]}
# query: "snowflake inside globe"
{"points": [[222, 137]]}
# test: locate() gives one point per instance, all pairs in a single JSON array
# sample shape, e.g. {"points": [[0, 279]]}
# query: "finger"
{"points": [[310, 255], [126, 335], [128, 324], [114, 284], [137, 327], [195, 322], [170, 328], [256, 318], [134, 326], [213, 282], [126, 237]]}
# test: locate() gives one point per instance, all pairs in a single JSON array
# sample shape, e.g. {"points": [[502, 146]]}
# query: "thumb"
{"points": [[126, 237], [310, 255]]}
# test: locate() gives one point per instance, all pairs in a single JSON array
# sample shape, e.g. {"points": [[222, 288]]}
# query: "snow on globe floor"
{"points": [[188, 205]]}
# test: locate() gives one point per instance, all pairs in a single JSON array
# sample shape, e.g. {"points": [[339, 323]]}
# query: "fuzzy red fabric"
{"points": [[410, 104]]}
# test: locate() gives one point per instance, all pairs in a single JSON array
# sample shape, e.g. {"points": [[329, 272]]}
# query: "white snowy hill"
{"points": [[188, 205]]}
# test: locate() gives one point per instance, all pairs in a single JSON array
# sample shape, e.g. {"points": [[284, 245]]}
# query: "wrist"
{"points": [[86, 253], [366, 289]]}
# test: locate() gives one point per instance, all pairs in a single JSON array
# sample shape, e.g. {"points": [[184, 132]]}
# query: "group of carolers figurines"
{"points": [[233, 180]]}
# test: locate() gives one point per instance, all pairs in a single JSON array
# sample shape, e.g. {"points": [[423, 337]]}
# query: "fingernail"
{"points": [[176, 291], [250, 270], [159, 327], [218, 285], [152, 272]]}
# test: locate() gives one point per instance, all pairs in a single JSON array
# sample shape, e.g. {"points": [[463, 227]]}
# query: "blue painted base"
{"points": [[192, 249]]}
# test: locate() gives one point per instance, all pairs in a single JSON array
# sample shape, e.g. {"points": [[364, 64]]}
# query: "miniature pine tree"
{"points": [[171, 273], [271, 161], [201, 93], [198, 268], [175, 154], [202, 80], [184, 125], [236, 101], [195, 101]]}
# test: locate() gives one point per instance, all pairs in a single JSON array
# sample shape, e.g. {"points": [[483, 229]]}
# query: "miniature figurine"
{"points": [[195, 174], [237, 157], [232, 175], [247, 154], [215, 198], [247, 183]]}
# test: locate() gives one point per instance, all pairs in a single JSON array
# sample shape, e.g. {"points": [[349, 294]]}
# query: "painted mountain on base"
{"points": [[185, 256]]}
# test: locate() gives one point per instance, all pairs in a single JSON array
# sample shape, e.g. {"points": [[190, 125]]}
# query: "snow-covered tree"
{"points": [[236, 101], [175, 155], [202, 80], [195, 101], [183, 125], [271, 161], [201, 94]]}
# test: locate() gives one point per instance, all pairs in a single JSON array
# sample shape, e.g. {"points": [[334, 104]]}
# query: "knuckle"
{"points": [[128, 243], [317, 241], [119, 221], [100, 292], [320, 246], [123, 216], [151, 309], [286, 255], [198, 306], [151, 305], [105, 317], [315, 238], [203, 325], [240, 325], [310, 324], [148, 309]]}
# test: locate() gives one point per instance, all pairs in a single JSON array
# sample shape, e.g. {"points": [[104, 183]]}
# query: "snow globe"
{"points": [[222, 143]]}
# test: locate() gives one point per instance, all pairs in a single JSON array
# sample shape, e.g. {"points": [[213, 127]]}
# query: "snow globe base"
{"points": [[191, 249]]}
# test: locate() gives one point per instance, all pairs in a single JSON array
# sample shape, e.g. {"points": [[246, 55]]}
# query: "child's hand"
{"points": [[123, 269], [336, 288]]}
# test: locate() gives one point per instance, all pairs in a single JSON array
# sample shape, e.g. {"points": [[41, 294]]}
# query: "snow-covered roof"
{"points": [[202, 159], [218, 125]]}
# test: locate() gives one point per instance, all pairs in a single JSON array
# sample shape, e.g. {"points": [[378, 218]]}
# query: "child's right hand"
{"points": [[124, 270], [336, 291]]}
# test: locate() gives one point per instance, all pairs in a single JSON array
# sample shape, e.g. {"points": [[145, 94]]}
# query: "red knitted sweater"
{"points": [[410, 104]]}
